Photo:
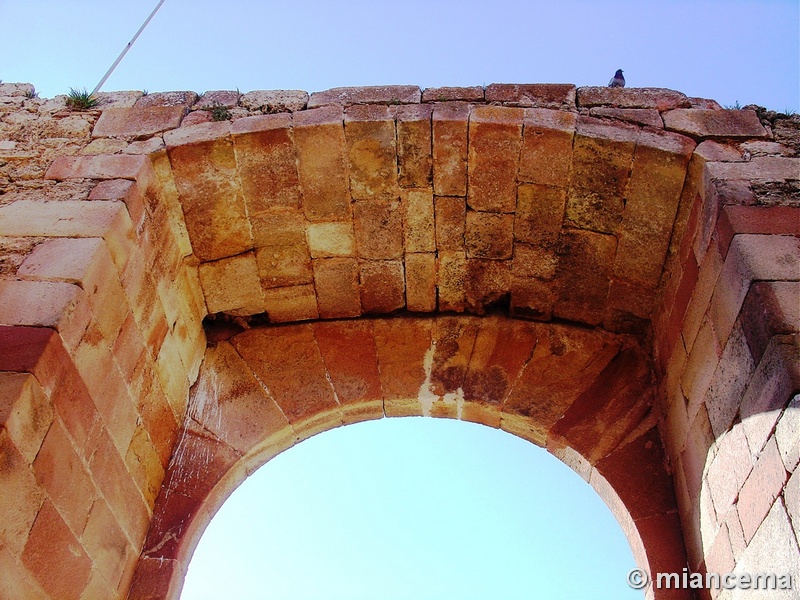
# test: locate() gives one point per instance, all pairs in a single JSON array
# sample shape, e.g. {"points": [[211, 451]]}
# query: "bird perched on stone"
{"points": [[618, 80]]}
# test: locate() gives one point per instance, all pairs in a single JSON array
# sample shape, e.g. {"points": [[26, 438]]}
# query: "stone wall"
{"points": [[612, 274]]}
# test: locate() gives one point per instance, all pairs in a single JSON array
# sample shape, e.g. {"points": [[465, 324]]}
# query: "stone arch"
{"points": [[655, 233]]}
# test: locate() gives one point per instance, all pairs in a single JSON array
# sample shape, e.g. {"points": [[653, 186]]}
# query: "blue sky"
{"points": [[410, 509]]}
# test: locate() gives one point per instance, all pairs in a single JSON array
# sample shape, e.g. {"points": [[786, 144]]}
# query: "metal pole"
{"points": [[125, 50]]}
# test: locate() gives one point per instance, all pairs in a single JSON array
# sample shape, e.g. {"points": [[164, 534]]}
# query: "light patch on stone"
{"points": [[426, 396]]}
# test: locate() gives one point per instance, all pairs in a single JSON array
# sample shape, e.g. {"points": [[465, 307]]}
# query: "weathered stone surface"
{"points": [[726, 123], [321, 154], [293, 303], [419, 220], [226, 98], [420, 270], [450, 216], [601, 165], [96, 167], [540, 95], [25, 412], [24, 496], [266, 162], [539, 214], [274, 101], [546, 156], [378, 229], [489, 235], [233, 285], [382, 286], [137, 122], [381, 94], [414, 160], [402, 373], [336, 281], [371, 152], [185, 99], [452, 280], [495, 135], [641, 116], [213, 205], [660, 99], [331, 239], [280, 266], [450, 147], [103, 146], [450, 94]]}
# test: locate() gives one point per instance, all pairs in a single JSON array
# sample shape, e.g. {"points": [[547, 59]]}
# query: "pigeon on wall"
{"points": [[618, 80]]}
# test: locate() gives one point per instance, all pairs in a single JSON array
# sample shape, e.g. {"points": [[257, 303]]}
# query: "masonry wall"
{"points": [[638, 213]]}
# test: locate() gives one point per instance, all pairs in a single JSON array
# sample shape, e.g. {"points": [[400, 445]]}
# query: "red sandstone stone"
{"points": [[725, 124], [542, 95], [546, 156], [116, 166], [450, 126], [601, 166], [22, 497], [769, 308], [539, 214], [18, 581], [700, 366], [336, 282], [452, 280], [105, 543], [495, 135], [196, 118], [371, 152], [489, 235], [227, 98], [137, 123], [128, 348], [700, 287], [144, 463], [531, 298], [321, 151], [265, 157], [25, 412], [420, 270], [172, 516], [666, 553], [128, 192], [280, 266], [378, 229], [762, 487], [291, 367], [629, 308], [453, 339], [381, 94], [292, 303], [156, 578], [401, 346], [213, 205], [418, 220], [414, 161], [382, 286], [233, 285], [487, 284], [640, 116], [772, 220], [450, 217], [351, 359], [451, 94], [660, 99], [55, 557]]}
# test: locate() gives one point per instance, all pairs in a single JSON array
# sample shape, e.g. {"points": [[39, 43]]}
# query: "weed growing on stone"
{"points": [[81, 99], [31, 94], [735, 106], [219, 112]]}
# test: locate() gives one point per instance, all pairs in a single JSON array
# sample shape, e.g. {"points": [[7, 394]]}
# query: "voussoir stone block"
{"points": [[541, 95], [371, 152], [414, 159], [274, 101], [661, 99], [336, 282], [137, 122], [420, 270], [489, 235], [546, 156], [379, 94], [382, 286], [450, 146], [451, 94], [726, 123], [331, 239], [378, 229], [233, 285], [419, 220], [495, 135]]}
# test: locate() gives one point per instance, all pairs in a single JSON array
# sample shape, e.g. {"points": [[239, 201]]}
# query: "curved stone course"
{"points": [[613, 274]]}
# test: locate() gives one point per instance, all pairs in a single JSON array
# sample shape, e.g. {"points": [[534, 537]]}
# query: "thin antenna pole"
{"points": [[128, 47]]}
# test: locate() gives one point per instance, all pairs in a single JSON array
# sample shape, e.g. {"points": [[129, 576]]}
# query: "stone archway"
{"points": [[623, 235]]}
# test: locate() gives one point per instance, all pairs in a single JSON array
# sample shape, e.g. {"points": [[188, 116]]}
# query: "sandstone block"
{"points": [[227, 98], [22, 497], [701, 364], [25, 412], [126, 191], [233, 285], [452, 280], [629, 308], [137, 123], [321, 154], [55, 556], [278, 228], [495, 135], [786, 435], [108, 166], [266, 161], [184, 99], [105, 543], [379, 94], [601, 165], [450, 148], [773, 220], [726, 123], [293, 303], [414, 160], [540, 95], [488, 283], [660, 99], [382, 286], [729, 469], [18, 582], [291, 366], [371, 152], [378, 229], [539, 214], [144, 464], [531, 298], [649, 117], [213, 204], [401, 346], [280, 266], [763, 486], [418, 220], [450, 217], [336, 283], [331, 239], [103, 146], [534, 261], [546, 156], [453, 94], [420, 270], [489, 235], [196, 118], [274, 101]]}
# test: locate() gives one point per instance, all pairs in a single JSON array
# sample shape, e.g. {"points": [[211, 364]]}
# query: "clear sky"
{"points": [[410, 509]]}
